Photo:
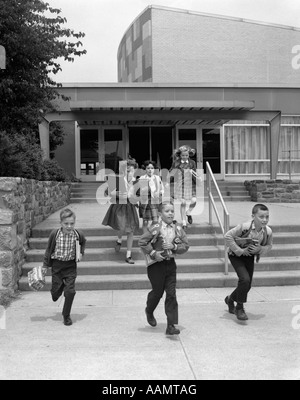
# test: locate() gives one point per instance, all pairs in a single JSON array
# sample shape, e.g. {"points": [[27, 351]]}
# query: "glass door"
{"points": [[112, 151], [89, 154], [190, 137], [206, 142], [211, 150]]}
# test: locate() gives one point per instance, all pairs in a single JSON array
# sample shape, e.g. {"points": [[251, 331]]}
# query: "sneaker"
{"points": [[184, 227], [150, 319], [171, 330], [241, 315], [231, 306], [118, 247], [129, 260]]}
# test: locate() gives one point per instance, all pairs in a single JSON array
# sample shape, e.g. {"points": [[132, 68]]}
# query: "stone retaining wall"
{"points": [[274, 191], [23, 204]]}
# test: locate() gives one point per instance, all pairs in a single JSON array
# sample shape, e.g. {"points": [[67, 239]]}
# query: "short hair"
{"points": [[165, 204], [149, 162], [259, 207], [67, 213], [131, 162]]}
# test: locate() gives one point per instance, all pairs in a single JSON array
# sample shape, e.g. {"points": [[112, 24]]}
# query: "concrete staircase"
{"points": [[201, 267], [85, 192]]}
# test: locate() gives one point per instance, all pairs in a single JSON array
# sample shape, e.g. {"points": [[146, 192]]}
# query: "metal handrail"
{"points": [[210, 179], [290, 160]]}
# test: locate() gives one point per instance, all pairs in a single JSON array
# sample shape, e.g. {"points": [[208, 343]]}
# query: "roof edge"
{"points": [[227, 17]]}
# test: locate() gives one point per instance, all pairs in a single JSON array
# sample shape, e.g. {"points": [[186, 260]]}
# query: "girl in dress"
{"points": [[123, 217], [184, 170], [151, 193]]}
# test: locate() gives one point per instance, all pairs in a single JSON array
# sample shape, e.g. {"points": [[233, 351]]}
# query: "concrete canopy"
{"points": [[167, 112]]}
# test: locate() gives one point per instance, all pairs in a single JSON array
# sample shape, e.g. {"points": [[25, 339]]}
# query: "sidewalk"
{"points": [[110, 338]]}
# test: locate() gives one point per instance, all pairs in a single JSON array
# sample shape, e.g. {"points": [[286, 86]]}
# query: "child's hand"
{"points": [[44, 271], [79, 258], [246, 252], [254, 249], [168, 246], [159, 257]]}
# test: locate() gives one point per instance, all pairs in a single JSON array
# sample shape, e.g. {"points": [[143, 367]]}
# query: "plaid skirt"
{"points": [[184, 189], [149, 212]]}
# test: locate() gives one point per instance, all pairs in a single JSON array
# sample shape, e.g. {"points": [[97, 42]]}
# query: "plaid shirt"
{"points": [[65, 248]]}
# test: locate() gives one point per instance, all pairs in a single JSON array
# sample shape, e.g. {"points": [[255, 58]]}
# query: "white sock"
{"points": [[128, 254]]}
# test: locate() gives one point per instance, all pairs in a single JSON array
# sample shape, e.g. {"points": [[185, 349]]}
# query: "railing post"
{"points": [[208, 179], [227, 227]]}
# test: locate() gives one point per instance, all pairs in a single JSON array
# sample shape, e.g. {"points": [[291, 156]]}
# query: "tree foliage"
{"points": [[35, 38]]}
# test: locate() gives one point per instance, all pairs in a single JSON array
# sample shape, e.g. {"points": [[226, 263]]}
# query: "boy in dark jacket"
{"points": [[160, 244], [65, 249]]}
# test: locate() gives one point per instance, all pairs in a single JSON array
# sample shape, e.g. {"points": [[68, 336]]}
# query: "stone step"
{"points": [[195, 229], [184, 281], [119, 267], [103, 231], [195, 252], [194, 240]]}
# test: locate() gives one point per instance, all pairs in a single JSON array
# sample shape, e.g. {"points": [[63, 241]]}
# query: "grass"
{"points": [[7, 297]]}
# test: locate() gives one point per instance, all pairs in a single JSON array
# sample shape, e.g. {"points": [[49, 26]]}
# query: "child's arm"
{"points": [[145, 244], [47, 254], [231, 243], [265, 249], [183, 244]]}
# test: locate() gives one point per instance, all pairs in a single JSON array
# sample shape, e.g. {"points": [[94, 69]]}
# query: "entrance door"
{"points": [[206, 142], [152, 143], [101, 149]]}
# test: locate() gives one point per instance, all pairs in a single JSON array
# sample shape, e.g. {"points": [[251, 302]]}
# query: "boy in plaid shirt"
{"points": [[64, 250]]}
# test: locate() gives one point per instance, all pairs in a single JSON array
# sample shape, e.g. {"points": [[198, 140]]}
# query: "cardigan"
{"points": [[52, 243]]}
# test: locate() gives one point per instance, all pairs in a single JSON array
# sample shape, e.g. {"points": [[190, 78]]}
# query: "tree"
{"points": [[35, 38]]}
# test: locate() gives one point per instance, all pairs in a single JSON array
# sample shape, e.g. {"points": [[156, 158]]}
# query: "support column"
{"points": [[45, 138], [275, 125]]}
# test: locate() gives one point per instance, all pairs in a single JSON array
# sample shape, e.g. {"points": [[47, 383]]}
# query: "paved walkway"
{"points": [[110, 339]]}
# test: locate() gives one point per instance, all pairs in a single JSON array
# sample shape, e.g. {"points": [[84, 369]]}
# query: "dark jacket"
{"points": [[52, 243]]}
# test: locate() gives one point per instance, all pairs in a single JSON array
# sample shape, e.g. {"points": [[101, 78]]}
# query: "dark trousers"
{"points": [[162, 276], [244, 267], [64, 274]]}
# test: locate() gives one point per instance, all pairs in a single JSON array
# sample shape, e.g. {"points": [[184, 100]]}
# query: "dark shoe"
{"points": [[241, 315], [129, 260], [151, 320], [231, 306], [118, 247], [171, 330], [190, 219], [68, 321], [184, 227]]}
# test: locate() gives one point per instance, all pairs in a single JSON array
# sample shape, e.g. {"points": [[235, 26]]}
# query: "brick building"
{"points": [[227, 86]]}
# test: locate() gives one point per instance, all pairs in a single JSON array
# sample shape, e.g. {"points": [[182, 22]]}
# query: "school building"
{"points": [[229, 87]]}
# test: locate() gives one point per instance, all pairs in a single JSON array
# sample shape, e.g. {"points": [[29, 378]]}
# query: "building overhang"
{"points": [[155, 112]]}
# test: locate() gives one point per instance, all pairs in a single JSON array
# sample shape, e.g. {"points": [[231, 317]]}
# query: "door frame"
{"points": [[101, 149], [199, 147]]}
